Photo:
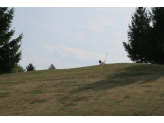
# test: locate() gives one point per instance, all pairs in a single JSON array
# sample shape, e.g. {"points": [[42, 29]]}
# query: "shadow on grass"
{"points": [[143, 73]]}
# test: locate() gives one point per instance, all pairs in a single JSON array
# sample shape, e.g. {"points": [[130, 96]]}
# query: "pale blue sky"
{"points": [[71, 37]]}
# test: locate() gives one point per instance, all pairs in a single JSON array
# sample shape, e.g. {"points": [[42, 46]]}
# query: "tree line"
{"points": [[145, 39], [30, 67]]}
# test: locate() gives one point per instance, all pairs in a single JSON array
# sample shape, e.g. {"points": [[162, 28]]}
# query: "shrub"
{"points": [[30, 67], [17, 69], [51, 67]]}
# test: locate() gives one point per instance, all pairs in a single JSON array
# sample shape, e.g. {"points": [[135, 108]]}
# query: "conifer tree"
{"points": [[138, 36], [9, 48], [30, 67], [51, 67], [157, 35]]}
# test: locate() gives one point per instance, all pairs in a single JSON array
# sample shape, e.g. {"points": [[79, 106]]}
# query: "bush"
{"points": [[51, 67], [30, 67], [17, 69]]}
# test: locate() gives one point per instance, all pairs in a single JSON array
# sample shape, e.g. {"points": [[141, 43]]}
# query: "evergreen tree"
{"points": [[51, 67], [157, 35], [30, 67], [138, 37], [9, 49]]}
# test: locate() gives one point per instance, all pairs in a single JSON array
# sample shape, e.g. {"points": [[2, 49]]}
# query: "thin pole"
{"points": [[105, 57]]}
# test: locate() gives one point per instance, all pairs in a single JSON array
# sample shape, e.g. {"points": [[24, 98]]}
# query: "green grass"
{"points": [[146, 85], [127, 97], [38, 91], [77, 98], [4, 94], [123, 89], [38, 101], [69, 104], [162, 94], [6, 106]]}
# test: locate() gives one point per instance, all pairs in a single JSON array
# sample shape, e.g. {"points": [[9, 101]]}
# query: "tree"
{"points": [[138, 37], [157, 35], [51, 67], [9, 49], [30, 67]]}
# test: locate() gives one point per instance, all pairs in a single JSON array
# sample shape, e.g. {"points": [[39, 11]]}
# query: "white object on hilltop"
{"points": [[101, 62], [104, 60]]}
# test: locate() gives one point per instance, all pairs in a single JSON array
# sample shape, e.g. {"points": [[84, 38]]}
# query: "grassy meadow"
{"points": [[122, 89]]}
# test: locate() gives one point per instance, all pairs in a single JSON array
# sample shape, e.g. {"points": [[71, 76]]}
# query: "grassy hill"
{"points": [[111, 89]]}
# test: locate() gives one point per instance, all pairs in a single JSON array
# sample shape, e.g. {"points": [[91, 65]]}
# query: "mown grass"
{"points": [[123, 89], [38, 101], [4, 94]]}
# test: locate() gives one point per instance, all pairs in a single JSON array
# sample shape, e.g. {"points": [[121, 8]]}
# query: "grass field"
{"points": [[123, 89]]}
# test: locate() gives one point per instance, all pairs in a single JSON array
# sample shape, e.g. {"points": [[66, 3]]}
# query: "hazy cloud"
{"points": [[98, 26], [114, 9], [80, 54]]}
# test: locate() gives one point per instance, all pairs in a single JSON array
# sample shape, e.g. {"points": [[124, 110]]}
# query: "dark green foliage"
{"points": [[51, 67], [138, 36], [4, 94], [157, 35], [146, 43], [30, 67], [9, 48]]}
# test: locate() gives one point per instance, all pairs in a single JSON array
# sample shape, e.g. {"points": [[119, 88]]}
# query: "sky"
{"points": [[71, 37]]}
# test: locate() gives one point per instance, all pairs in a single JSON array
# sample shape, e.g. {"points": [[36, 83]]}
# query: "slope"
{"points": [[111, 89]]}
